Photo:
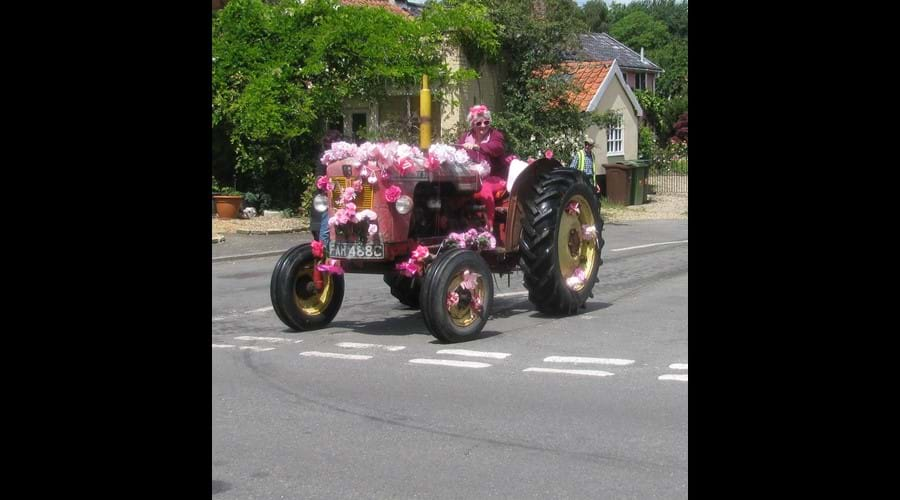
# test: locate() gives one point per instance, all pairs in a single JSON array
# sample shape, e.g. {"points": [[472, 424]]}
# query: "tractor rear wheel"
{"points": [[559, 259]]}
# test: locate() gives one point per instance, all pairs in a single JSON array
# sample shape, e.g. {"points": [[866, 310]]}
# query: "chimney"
{"points": [[642, 54]]}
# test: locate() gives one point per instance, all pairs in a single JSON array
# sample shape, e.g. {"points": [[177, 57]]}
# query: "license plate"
{"points": [[345, 250]]}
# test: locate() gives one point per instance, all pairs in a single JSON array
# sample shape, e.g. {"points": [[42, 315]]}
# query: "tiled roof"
{"points": [[602, 47], [586, 75], [377, 3]]}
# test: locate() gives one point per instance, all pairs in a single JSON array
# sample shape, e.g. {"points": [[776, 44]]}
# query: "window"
{"points": [[640, 81], [614, 139]]}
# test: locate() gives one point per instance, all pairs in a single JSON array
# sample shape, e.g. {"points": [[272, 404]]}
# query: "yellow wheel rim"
{"points": [[463, 315], [575, 250], [312, 304]]}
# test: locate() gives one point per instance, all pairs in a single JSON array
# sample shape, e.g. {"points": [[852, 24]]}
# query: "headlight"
{"points": [[403, 204], [320, 203]]}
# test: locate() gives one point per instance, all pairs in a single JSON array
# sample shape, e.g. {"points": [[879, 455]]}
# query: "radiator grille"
{"points": [[363, 200]]}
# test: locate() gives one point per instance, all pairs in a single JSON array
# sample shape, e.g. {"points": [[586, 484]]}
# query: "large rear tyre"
{"points": [[554, 246], [294, 297], [457, 294]]}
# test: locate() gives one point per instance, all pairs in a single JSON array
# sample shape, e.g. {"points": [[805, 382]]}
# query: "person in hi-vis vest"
{"points": [[585, 162]]}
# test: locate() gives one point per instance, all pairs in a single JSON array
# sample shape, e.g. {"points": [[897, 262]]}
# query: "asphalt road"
{"points": [[588, 406]]}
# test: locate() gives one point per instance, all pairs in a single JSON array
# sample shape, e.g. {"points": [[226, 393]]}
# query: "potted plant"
{"points": [[228, 203]]}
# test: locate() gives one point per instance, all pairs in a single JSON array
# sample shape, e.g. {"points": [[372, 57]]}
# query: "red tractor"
{"points": [[436, 230]]}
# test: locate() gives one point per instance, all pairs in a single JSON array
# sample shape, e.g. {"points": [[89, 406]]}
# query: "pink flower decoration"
{"points": [[574, 282], [408, 268], [476, 302], [458, 238], [579, 273], [340, 216], [432, 163], [373, 229], [469, 278], [357, 186], [404, 165], [420, 253], [573, 208], [351, 209], [349, 194], [372, 179], [392, 193], [487, 240], [549, 153], [589, 232], [366, 214], [317, 249], [331, 266], [324, 184], [452, 299]]}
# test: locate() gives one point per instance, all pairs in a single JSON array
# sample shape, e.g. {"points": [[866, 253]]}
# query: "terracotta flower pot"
{"points": [[228, 207]]}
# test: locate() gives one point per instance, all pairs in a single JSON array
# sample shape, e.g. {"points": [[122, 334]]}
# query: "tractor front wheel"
{"points": [[297, 301], [456, 295]]}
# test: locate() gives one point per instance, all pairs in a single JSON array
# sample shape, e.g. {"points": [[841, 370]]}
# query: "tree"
{"points": [[640, 30], [282, 68], [596, 15]]}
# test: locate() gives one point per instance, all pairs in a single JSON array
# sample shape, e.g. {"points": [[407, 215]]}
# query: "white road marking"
{"points": [[650, 245], [594, 373], [257, 349], [510, 294], [475, 354], [359, 345], [298, 341], [317, 354], [680, 378], [678, 366], [264, 339], [599, 361], [218, 318], [447, 362], [261, 309], [221, 346]]}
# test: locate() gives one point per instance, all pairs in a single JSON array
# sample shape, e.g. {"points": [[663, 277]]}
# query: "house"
{"points": [[639, 72], [602, 87]]}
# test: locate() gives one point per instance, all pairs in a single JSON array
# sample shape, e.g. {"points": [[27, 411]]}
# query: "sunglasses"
{"points": [[478, 124]]}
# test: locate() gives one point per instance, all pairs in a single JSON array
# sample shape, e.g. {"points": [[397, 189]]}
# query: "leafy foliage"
{"points": [[282, 68]]}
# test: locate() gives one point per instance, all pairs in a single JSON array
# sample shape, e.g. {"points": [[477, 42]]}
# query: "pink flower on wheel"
{"points": [[476, 302], [452, 299], [317, 249], [589, 231], [331, 266], [469, 280], [392, 193], [573, 208]]}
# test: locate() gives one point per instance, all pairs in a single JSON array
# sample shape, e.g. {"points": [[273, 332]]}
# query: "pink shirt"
{"points": [[491, 150]]}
